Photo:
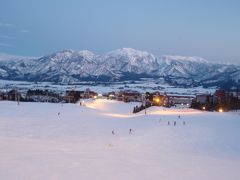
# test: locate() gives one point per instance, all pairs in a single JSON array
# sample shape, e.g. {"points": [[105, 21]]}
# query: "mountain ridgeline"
{"points": [[122, 64]]}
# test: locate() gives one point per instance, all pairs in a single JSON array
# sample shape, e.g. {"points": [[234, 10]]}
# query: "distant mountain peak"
{"points": [[128, 52], [86, 53], [120, 64]]}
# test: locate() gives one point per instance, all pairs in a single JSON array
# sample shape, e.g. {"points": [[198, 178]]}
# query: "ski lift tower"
{"points": [[17, 96], [144, 102]]}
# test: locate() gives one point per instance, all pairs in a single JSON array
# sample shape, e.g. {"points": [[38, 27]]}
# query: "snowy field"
{"points": [[141, 86], [38, 144]]}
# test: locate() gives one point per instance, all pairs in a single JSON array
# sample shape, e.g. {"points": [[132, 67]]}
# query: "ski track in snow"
{"points": [[37, 143]]}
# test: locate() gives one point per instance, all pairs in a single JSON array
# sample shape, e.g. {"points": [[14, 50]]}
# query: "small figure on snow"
{"points": [[184, 123], [179, 116], [58, 113], [130, 131], [175, 123], [160, 120], [168, 123], [113, 133]]}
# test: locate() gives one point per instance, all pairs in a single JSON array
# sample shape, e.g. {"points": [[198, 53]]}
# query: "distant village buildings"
{"points": [[221, 100], [129, 96], [73, 96], [12, 95], [42, 96], [180, 99]]}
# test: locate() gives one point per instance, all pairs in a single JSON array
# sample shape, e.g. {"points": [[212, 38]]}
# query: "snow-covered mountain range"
{"points": [[122, 64]]}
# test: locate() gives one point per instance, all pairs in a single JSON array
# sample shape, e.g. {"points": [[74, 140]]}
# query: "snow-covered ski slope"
{"points": [[37, 143]]}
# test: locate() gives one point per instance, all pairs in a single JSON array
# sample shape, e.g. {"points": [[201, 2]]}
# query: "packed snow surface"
{"points": [[69, 141]]}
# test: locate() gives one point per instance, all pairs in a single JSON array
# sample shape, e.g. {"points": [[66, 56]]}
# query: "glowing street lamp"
{"points": [[220, 110], [204, 108]]}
